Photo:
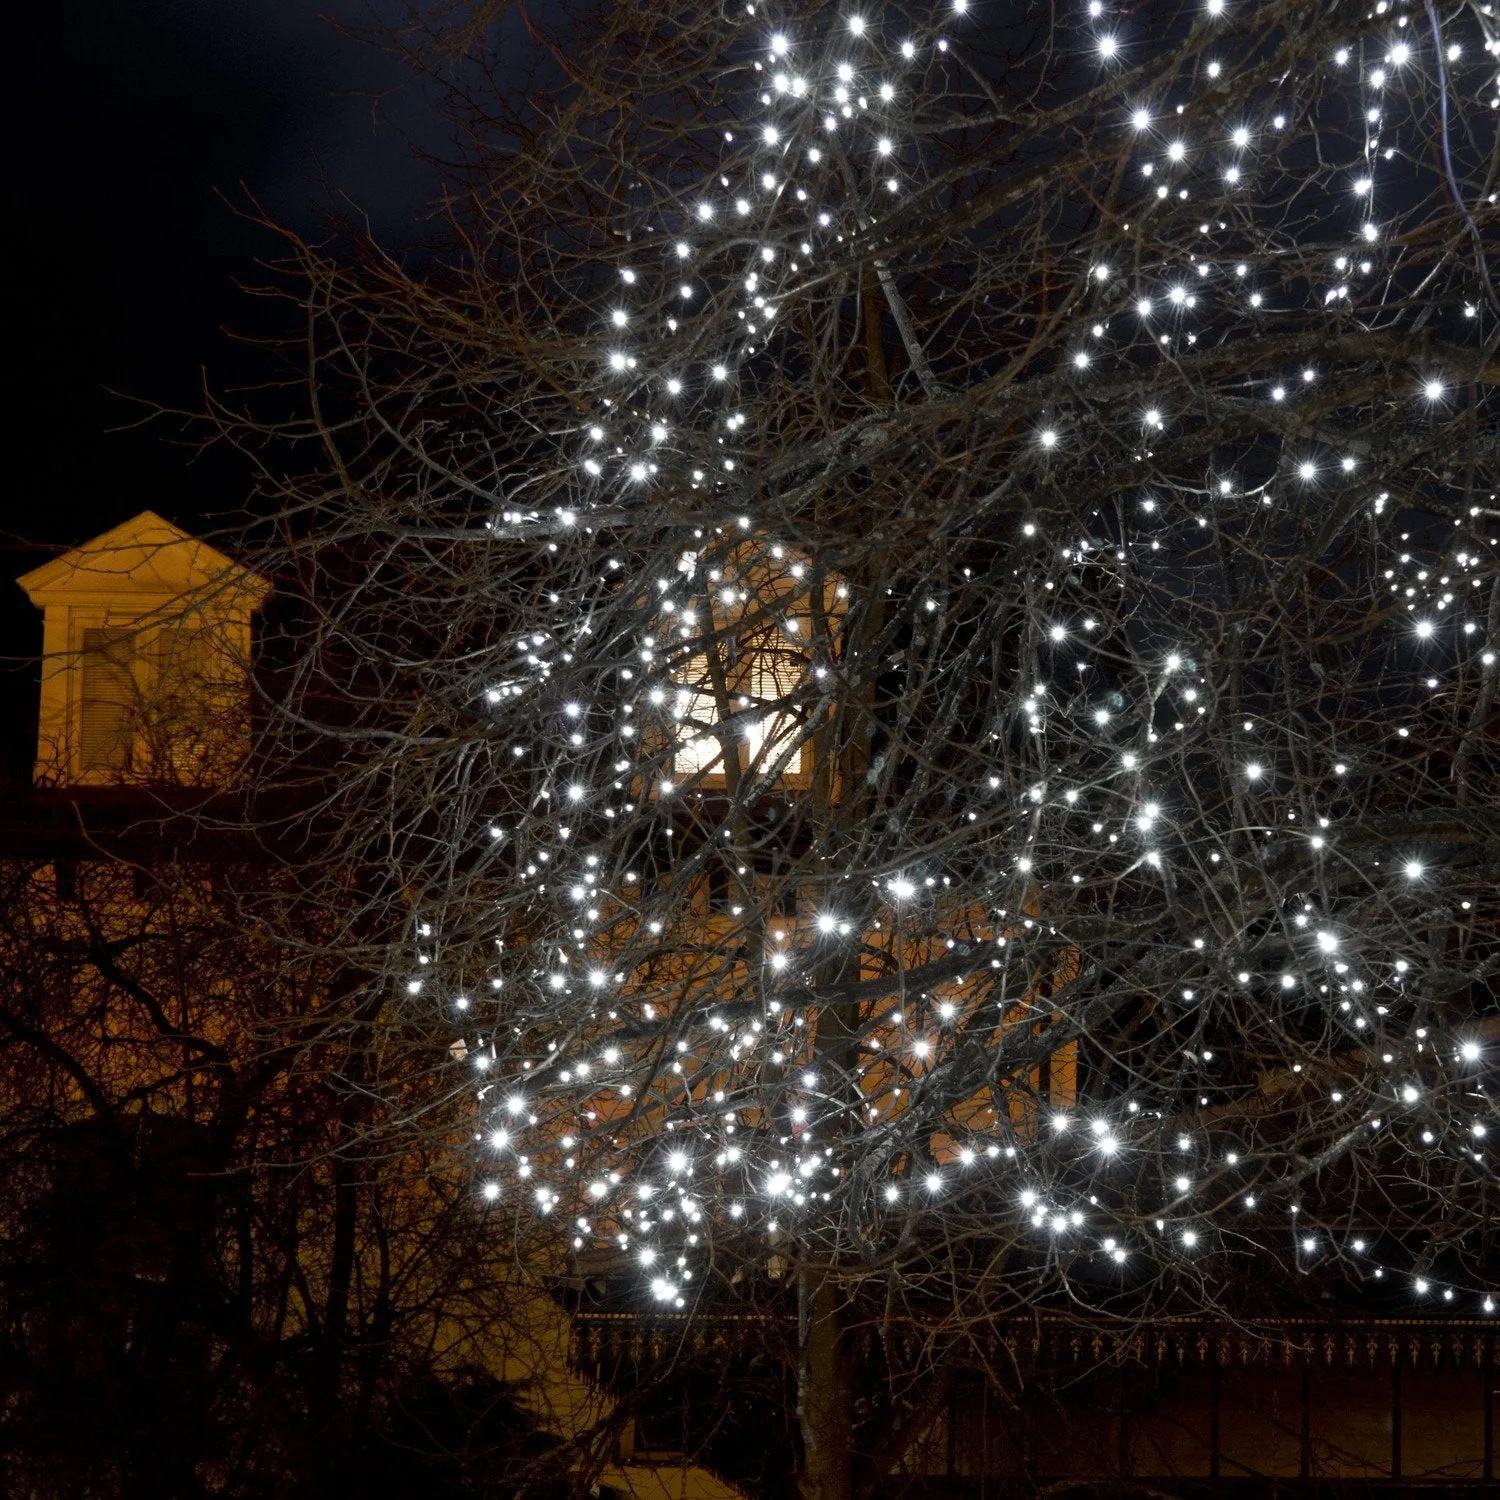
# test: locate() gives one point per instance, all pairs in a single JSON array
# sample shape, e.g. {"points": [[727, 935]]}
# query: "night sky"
{"points": [[132, 126]]}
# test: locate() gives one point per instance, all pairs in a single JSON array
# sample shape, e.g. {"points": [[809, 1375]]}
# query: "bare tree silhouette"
{"points": [[901, 632]]}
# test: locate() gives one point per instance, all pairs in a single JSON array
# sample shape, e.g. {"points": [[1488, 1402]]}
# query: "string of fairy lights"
{"points": [[660, 1120]]}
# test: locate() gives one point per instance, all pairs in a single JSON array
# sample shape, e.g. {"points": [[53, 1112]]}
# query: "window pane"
{"points": [[108, 687]]}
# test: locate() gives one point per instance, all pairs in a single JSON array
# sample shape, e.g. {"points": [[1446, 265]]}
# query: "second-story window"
{"points": [[108, 691], [742, 690], [760, 674]]}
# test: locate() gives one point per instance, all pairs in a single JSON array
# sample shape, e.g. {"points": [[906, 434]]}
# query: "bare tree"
{"points": [[211, 1284], [908, 621]]}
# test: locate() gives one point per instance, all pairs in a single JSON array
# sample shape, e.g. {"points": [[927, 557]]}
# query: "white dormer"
{"points": [[145, 653]]}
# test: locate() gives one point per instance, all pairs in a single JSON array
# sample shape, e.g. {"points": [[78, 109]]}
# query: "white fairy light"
{"points": [[1131, 768]]}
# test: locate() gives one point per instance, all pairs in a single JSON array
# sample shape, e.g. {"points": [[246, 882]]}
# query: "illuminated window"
{"points": [[757, 701], [747, 682]]}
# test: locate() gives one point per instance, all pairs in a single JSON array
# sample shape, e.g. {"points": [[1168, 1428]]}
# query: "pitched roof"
{"points": [[145, 555]]}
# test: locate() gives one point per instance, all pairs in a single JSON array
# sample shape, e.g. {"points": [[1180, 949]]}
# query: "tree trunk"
{"points": [[825, 1391]]}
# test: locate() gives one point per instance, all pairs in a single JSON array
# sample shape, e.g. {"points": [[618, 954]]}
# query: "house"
{"points": [[118, 942], [208, 1254], [1288, 1385]]}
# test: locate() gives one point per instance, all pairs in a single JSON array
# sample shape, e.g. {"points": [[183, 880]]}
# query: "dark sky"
{"points": [[130, 121]]}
